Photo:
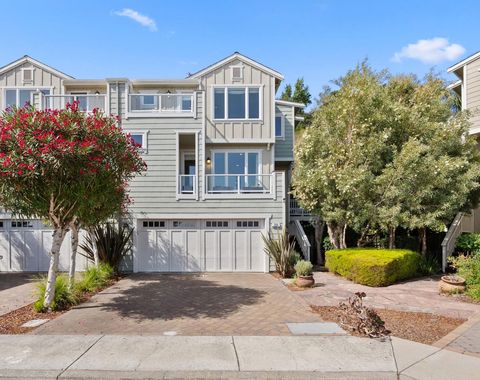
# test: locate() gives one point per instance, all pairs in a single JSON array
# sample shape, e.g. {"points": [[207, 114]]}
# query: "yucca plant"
{"points": [[282, 251], [111, 242]]}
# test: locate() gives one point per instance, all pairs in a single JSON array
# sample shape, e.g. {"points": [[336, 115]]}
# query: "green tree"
{"points": [[300, 94], [51, 160], [287, 93], [384, 152]]}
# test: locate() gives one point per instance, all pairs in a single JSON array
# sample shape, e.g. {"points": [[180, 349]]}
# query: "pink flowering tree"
{"points": [[59, 165]]}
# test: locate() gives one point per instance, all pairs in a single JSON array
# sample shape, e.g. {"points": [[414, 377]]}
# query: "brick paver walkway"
{"points": [[206, 304], [419, 295], [16, 290], [464, 339]]}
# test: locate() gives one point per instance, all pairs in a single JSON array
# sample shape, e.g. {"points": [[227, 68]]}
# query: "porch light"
{"points": [[209, 161]]}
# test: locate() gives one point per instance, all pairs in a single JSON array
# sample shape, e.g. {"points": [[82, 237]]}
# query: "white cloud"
{"points": [[138, 17], [430, 51]]}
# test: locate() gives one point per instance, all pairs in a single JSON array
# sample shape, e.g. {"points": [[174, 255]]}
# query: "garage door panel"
{"points": [[210, 251], [16, 251], [225, 247], [257, 256], [194, 258], [242, 262], [31, 250], [4, 252], [178, 256]]}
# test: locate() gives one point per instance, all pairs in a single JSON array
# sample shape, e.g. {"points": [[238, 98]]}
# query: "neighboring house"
{"points": [[468, 89], [219, 150]]}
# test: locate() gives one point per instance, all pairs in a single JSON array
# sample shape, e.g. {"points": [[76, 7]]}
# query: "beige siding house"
{"points": [[467, 86], [219, 149]]}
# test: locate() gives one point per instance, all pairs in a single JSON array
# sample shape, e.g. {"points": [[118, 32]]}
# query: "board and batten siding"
{"points": [[473, 92], [284, 145], [226, 131], [41, 79]]}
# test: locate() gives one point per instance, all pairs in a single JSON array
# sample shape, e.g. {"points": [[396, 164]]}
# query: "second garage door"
{"points": [[200, 245]]}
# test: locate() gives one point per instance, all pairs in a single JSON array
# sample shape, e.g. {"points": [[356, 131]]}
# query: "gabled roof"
{"points": [[33, 61], [469, 59], [240, 57]]}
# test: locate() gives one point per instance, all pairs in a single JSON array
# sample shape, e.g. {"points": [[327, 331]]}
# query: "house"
{"points": [[467, 86], [219, 149]]}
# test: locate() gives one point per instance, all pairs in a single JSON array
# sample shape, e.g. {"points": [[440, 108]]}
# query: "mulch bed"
{"points": [[11, 323], [420, 327]]}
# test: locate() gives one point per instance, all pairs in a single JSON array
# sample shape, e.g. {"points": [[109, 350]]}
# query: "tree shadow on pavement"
{"points": [[170, 296]]}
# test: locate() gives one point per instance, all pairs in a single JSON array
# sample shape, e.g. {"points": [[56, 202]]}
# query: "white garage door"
{"points": [[25, 247], [200, 245]]}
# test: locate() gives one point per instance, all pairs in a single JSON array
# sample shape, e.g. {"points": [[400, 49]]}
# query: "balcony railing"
{"points": [[187, 184], [239, 184], [296, 210], [161, 104], [87, 103]]}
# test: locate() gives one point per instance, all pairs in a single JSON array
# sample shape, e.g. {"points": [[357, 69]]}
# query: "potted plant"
{"points": [[452, 284], [304, 274]]}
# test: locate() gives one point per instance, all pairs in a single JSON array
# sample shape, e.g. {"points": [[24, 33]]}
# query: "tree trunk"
{"points": [[319, 227], [423, 240], [58, 236], [336, 233], [73, 254], [391, 237], [344, 237]]}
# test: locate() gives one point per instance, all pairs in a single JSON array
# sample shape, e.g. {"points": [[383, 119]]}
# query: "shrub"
{"points": [[373, 267], [281, 251], [64, 295], [111, 242], [468, 267], [303, 268], [468, 243], [95, 278], [428, 266]]}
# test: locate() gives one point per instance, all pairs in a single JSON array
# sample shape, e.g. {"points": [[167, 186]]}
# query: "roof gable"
{"points": [[28, 59], [467, 60], [234, 57]]}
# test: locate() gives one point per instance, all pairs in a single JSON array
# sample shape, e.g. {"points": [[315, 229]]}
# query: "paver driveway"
{"points": [[16, 290], [187, 304]]}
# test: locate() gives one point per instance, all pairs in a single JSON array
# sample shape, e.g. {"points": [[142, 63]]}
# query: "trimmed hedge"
{"points": [[373, 267]]}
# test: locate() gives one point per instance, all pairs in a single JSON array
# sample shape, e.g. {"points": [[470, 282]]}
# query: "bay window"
{"points": [[236, 103]]}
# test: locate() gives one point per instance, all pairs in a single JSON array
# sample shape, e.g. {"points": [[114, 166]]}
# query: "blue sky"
{"points": [[316, 39]]}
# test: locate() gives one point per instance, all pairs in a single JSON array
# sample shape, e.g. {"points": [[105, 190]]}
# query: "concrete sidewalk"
{"points": [[227, 357]]}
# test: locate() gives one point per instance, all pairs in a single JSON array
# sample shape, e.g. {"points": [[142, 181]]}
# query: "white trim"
{"points": [[33, 61], [247, 87], [240, 57], [204, 142], [179, 164], [143, 133], [199, 216], [464, 88], [288, 103], [282, 126], [237, 150], [454, 84], [464, 62]]}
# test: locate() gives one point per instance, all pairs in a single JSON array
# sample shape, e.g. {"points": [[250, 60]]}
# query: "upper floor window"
{"points": [[20, 97], [236, 103], [279, 126]]}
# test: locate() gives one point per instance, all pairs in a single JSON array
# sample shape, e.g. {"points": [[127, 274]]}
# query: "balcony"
{"points": [[161, 105], [187, 185], [297, 212], [87, 103], [244, 185]]}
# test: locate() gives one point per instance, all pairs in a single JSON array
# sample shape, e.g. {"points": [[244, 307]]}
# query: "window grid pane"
{"points": [[236, 103], [253, 103], [219, 103]]}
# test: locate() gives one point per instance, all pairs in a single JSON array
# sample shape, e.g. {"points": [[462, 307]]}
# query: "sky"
{"points": [[318, 40]]}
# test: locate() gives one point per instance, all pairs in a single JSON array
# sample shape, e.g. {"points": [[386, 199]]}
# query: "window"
{"points": [[279, 126], [22, 224], [236, 103], [154, 223], [240, 169], [27, 76], [237, 73], [140, 138], [217, 223], [148, 100], [184, 224], [19, 97], [248, 223], [1, 223]]}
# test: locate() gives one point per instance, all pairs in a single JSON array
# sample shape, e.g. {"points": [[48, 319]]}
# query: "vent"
{"points": [[237, 73], [27, 75]]}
